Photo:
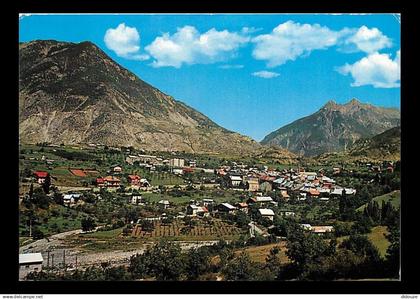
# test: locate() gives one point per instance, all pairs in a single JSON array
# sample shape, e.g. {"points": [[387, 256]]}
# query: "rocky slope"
{"points": [[334, 127], [382, 147], [74, 93]]}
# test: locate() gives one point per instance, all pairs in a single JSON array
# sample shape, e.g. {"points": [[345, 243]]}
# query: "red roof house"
{"points": [[40, 176]]}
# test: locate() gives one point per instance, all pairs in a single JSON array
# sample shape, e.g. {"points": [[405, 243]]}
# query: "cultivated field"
{"points": [[201, 231]]}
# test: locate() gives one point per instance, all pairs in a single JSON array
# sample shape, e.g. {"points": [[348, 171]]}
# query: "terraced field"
{"points": [[201, 231]]}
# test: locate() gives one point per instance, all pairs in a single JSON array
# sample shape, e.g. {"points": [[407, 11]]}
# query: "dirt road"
{"points": [[55, 253]]}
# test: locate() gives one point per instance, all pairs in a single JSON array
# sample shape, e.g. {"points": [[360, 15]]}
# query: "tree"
{"points": [[168, 261], [116, 273], [88, 224], [31, 191], [393, 252], [305, 249], [239, 268], [58, 198], [139, 265], [361, 246], [272, 260], [242, 219], [147, 225], [47, 183], [198, 262], [40, 199], [37, 234]]}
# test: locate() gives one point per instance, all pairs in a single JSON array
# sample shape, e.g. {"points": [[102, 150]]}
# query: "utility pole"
{"points": [[64, 258], [30, 228], [48, 258], [52, 260], [76, 262]]}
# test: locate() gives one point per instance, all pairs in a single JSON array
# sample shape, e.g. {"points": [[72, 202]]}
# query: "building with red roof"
{"points": [[134, 180], [40, 176]]}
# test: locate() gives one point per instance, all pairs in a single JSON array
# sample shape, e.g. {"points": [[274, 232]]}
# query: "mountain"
{"points": [[382, 147], [334, 127], [385, 146], [75, 93]]}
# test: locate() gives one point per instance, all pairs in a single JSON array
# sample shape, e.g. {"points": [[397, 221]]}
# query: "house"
{"points": [[278, 182], [29, 262], [134, 180], [235, 181], [194, 210], [262, 200], [111, 182], [252, 184], [226, 208], [40, 176], [338, 191], [117, 169], [71, 199], [287, 213], [192, 163], [313, 193], [100, 182], [187, 170], [164, 204], [176, 162], [322, 229], [136, 199], [144, 183], [284, 195], [242, 206], [208, 202], [177, 171], [306, 226], [266, 213]]}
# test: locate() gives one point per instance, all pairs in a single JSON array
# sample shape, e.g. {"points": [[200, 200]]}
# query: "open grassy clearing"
{"points": [[394, 197], [377, 236], [260, 253]]}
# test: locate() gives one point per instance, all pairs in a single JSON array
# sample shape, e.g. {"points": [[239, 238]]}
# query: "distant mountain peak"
{"points": [[324, 131], [354, 101], [330, 104]]}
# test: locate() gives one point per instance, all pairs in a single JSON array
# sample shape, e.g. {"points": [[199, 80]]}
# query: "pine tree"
{"points": [[46, 185]]}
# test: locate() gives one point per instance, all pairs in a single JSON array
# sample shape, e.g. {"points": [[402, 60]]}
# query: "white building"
{"points": [[29, 262], [235, 180], [176, 162], [267, 213]]}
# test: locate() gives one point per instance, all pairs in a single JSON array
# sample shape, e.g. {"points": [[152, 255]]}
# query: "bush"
{"points": [[37, 234]]}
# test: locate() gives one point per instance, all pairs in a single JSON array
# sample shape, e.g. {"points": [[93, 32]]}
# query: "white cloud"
{"points": [[376, 69], [265, 74], [290, 40], [250, 30], [125, 42], [369, 40], [188, 46], [231, 66]]}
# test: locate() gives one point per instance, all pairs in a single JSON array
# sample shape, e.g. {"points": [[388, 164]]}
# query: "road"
{"points": [[56, 254]]}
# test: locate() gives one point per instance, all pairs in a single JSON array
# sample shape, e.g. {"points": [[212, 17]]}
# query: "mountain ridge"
{"points": [[75, 93], [333, 127]]}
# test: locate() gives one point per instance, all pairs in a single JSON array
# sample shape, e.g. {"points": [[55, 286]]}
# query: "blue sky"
{"points": [[249, 73]]}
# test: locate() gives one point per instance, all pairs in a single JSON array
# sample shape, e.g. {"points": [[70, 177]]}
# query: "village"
{"points": [[182, 199]]}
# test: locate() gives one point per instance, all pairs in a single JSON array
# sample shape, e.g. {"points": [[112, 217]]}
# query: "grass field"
{"points": [[377, 236], [394, 197], [56, 219], [260, 253]]}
